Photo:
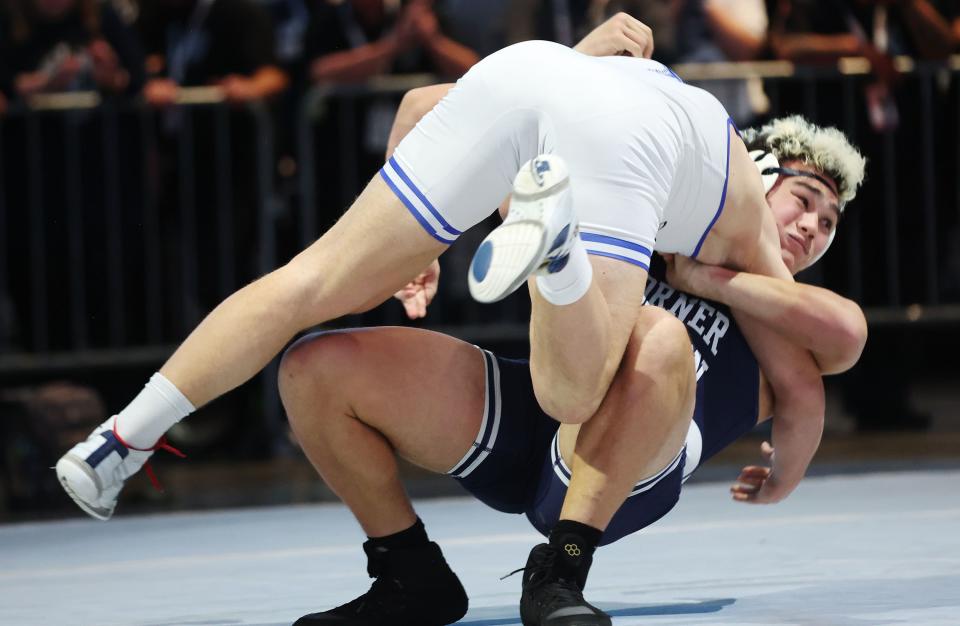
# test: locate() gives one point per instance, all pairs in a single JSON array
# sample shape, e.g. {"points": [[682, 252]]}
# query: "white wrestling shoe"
{"points": [[94, 470], [536, 236]]}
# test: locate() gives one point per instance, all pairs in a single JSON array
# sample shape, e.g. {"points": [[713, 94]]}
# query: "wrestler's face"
{"points": [[807, 211]]}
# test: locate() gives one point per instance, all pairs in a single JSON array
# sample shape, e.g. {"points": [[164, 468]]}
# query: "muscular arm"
{"points": [[814, 48], [732, 34], [930, 30], [798, 409], [830, 326], [452, 58], [355, 65]]}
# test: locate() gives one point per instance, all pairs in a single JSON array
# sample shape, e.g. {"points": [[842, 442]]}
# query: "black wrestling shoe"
{"points": [[412, 587], [553, 582]]}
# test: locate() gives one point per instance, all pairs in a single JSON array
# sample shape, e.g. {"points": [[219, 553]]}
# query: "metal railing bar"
{"points": [[347, 129], [38, 252], [75, 247], [188, 218], [41, 362], [227, 253], [890, 218], [6, 297], [151, 228], [114, 229], [851, 221], [264, 150], [929, 193], [306, 165]]}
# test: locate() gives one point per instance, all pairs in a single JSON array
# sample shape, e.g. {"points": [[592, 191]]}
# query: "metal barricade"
{"points": [[109, 273], [130, 267]]}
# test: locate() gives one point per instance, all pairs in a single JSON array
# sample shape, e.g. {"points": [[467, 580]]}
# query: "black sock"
{"points": [[575, 543], [413, 537], [587, 537]]}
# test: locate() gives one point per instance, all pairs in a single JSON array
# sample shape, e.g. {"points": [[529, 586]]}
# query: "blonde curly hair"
{"points": [[827, 149]]}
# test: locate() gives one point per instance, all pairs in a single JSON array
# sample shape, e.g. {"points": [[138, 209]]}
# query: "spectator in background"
{"points": [[687, 31], [725, 30], [215, 190], [224, 43], [562, 21], [64, 45], [822, 31], [353, 40], [481, 26]]}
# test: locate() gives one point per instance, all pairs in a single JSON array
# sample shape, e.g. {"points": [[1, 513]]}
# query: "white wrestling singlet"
{"points": [[648, 155]]}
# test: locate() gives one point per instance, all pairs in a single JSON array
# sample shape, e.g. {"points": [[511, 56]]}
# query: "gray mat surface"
{"points": [[846, 551]]}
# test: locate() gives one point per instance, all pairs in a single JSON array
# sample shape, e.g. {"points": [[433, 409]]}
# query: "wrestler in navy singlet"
{"points": [[514, 465]]}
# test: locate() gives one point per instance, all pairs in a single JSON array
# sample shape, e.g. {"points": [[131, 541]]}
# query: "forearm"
{"points": [[930, 30], [737, 42], [354, 65], [415, 104], [796, 436], [452, 58], [830, 326], [811, 48], [799, 402], [268, 81]]}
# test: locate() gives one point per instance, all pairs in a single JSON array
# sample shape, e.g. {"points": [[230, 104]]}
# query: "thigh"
{"points": [[456, 166], [502, 466], [622, 285], [423, 391]]}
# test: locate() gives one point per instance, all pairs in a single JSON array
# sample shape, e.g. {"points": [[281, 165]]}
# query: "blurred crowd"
{"points": [[259, 49], [274, 51]]}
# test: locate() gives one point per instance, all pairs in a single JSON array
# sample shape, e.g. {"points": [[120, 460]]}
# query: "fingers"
{"points": [[766, 450], [641, 34], [421, 300], [749, 483], [414, 300], [629, 44], [430, 289]]}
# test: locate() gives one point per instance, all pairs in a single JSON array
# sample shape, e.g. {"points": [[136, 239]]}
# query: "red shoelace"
{"points": [[160, 445]]}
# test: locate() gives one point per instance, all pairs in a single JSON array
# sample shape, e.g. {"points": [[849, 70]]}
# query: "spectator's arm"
{"points": [[127, 51], [358, 64], [450, 57], [264, 83], [740, 30], [814, 48], [930, 30]]}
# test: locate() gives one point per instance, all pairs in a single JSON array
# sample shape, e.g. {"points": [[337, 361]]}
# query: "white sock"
{"points": [[572, 282], [156, 408]]}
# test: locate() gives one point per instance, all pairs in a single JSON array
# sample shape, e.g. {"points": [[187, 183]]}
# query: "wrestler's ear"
{"points": [[766, 162]]}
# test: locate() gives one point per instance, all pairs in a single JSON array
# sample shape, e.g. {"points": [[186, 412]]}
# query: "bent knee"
{"points": [[660, 348], [565, 403], [315, 362]]}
